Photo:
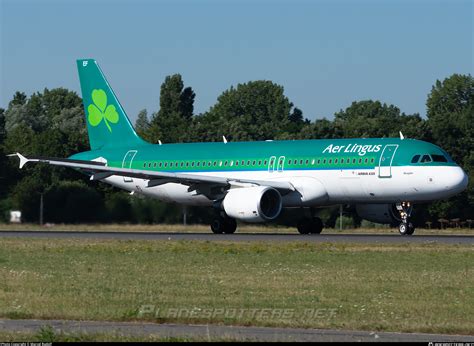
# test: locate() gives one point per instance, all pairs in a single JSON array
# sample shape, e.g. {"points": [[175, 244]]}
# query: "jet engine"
{"points": [[379, 213], [253, 204]]}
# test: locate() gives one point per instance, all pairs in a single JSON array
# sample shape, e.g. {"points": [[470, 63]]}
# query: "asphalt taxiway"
{"points": [[219, 332]]}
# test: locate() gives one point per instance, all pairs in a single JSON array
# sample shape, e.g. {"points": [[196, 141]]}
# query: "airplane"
{"points": [[254, 181]]}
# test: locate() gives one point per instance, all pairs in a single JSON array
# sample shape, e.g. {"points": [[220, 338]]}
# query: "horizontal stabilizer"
{"points": [[23, 160]]}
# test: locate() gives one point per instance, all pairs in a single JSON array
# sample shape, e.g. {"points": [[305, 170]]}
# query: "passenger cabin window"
{"points": [[425, 158], [415, 158], [439, 158]]}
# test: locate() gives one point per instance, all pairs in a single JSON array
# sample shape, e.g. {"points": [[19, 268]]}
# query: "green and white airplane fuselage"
{"points": [[385, 175], [253, 181]]}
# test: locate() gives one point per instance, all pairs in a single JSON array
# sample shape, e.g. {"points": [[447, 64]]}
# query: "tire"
{"points": [[411, 229], [304, 226], [217, 226], [403, 228], [317, 225], [223, 225], [230, 225]]}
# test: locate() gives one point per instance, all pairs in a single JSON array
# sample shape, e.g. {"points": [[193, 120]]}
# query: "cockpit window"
{"points": [[439, 158], [425, 158], [415, 158], [446, 155]]}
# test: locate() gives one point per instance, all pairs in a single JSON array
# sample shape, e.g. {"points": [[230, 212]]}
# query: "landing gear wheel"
{"points": [[223, 225], [406, 228], [317, 225], [230, 225], [310, 226], [216, 226], [304, 226]]}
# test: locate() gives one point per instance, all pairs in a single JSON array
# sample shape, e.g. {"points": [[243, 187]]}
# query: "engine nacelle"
{"points": [[380, 213], [253, 204]]}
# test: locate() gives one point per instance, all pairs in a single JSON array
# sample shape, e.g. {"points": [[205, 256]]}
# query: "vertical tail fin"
{"points": [[107, 123]]}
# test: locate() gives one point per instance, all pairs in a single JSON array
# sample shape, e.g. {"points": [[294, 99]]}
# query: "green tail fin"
{"points": [[107, 123]]}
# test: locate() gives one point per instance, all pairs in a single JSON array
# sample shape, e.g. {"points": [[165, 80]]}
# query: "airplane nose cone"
{"points": [[457, 180]]}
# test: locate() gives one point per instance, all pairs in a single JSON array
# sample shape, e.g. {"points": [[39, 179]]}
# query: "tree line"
{"points": [[52, 123]]}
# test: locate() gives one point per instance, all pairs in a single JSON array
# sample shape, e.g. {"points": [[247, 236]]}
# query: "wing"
{"points": [[100, 170]]}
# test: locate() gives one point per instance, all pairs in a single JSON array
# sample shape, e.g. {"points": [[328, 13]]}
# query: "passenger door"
{"points": [[127, 163], [271, 164], [386, 159]]}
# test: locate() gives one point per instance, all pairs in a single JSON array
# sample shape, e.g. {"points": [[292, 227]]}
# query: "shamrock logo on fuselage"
{"points": [[99, 110]]}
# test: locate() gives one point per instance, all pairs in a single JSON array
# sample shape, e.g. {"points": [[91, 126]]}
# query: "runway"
{"points": [[217, 332], [245, 237]]}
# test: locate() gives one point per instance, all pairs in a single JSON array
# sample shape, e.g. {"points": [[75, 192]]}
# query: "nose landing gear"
{"points": [[406, 227]]}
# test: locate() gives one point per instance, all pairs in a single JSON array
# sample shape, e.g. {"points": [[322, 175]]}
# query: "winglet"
{"points": [[224, 139], [23, 160], [402, 137]]}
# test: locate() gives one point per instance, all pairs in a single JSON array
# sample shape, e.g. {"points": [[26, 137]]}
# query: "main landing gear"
{"points": [[308, 225], [223, 224], [406, 227]]}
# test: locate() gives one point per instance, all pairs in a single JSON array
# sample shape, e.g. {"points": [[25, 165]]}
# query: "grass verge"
{"points": [[47, 335], [242, 228], [386, 287]]}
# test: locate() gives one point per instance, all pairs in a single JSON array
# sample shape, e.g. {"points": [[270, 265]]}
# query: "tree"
{"points": [[3, 159], [47, 124], [296, 122], [56, 100], [19, 99], [2, 127], [320, 129], [142, 125], [364, 119], [450, 111], [171, 122], [257, 110]]}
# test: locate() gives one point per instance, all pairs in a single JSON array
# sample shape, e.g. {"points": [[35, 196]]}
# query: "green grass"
{"points": [[47, 334], [242, 228], [385, 287]]}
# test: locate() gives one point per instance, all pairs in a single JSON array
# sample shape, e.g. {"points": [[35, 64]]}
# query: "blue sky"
{"points": [[326, 54]]}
